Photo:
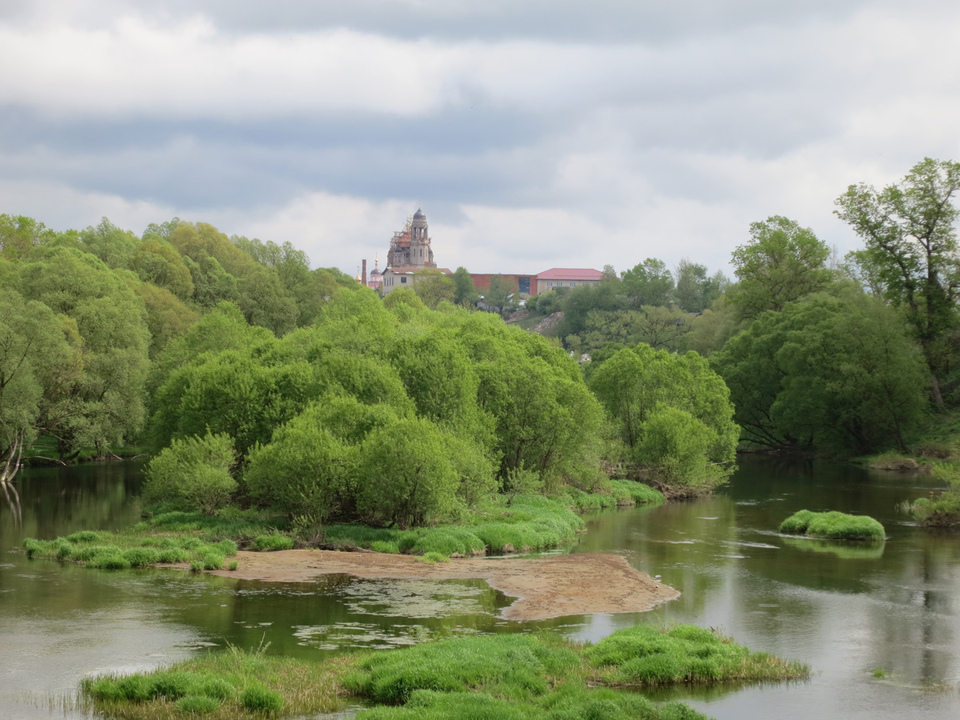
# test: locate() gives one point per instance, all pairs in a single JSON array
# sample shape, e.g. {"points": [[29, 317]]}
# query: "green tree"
{"points": [[232, 392], [781, 263], [114, 246], [435, 287], [167, 317], [710, 330], [465, 294], [829, 372], [696, 291], [545, 419], [649, 283], [159, 263], [501, 297], [635, 382], [405, 477], [675, 447], [104, 403], [911, 251], [19, 235], [309, 467], [194, 473], [35, 359]]}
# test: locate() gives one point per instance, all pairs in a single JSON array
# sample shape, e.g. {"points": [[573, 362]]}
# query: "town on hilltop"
{"points": [[410, 254]]}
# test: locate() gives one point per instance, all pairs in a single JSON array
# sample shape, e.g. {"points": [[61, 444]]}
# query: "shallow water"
{"points": [[847, 610]]}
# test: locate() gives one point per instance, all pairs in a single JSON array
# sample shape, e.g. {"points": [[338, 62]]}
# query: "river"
{"points": [[879, 626]]}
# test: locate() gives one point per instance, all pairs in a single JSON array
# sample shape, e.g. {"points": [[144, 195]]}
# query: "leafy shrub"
{"points": [[194, 471], [227, 547], [404, 476], [304, 470], [675, 445], [259, 698], [272, 542]]}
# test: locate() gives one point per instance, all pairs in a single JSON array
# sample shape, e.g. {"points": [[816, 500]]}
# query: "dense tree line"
{"points": [[84, 315], [258, 380]]}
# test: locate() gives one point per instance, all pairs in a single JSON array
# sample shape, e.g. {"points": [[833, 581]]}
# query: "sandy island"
{"points": [[544, 587]]}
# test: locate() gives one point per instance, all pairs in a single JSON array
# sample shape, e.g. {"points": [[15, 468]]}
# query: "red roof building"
{"points": [[566, 277]]}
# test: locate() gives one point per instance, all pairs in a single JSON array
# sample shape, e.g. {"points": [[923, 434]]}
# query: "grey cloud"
{"points": [[565, 20]]}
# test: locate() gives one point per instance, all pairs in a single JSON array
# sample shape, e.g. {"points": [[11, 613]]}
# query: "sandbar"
{"points": [[544, 587]]}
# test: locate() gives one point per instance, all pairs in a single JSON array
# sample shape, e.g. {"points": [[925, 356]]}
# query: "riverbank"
{"points": [[546, 587]]}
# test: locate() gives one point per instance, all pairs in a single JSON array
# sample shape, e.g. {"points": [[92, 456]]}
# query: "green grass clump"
{"points": [[109, 562], [487, 677], [84, 536], [271, 542], [433, 557], [448, 540], [233, 683], [507, 666], [833, 526], [637, 492], [141, 557], [172, 555], [197, 704], [257, 698], [212, 561], [529, 522], [648, 656], [388, 547], [433, 705]]}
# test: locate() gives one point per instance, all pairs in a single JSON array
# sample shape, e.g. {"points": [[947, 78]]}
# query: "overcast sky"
{"points": [[535, 133]]}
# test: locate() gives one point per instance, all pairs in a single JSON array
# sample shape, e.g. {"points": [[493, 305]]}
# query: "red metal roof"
{"points": [[570, 274]]}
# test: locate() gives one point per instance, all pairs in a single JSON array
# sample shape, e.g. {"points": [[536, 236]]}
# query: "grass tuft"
{"points": [[833, 526], [272, 542], [258, 698]]}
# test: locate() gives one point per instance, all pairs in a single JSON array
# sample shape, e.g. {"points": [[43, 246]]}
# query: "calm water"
{"points": [[845, 610]]}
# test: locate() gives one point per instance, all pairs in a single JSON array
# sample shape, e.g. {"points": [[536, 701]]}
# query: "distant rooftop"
{"points": [[570, 274]]}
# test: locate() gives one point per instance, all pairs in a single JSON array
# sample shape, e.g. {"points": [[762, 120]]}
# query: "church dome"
{"points": [[418, 215]]}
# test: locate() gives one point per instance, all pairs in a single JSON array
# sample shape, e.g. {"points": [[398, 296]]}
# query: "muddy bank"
{"points": [[544, 587]]}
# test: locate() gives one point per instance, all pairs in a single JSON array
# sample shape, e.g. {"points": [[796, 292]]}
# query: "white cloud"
{"points": [[582, 150]]}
